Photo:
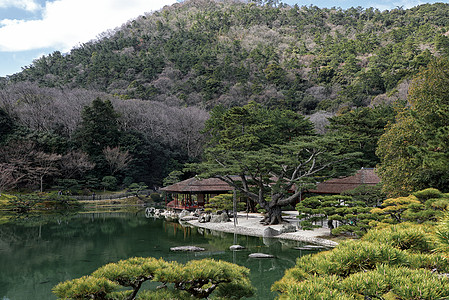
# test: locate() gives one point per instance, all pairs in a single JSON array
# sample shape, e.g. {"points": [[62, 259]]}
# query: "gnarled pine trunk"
{"points": [[273, 215]]}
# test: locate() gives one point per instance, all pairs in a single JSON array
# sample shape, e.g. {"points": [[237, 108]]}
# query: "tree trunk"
{"points": [[42, 183], [273, 215], [330, 224]]}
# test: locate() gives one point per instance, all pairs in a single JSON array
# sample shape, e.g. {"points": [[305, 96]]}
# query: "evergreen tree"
{"points": [[359, 129], [6, 124], [195, 279], [99, 127], [267, 154], [414, 151]]}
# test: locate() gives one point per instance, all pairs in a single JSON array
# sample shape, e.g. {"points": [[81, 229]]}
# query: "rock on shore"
{"points": [[260, 255], [187, 248]]}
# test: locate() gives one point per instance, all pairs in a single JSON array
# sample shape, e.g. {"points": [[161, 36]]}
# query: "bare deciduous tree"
{"points": [[75, 163], [25, 166], [117, 159], [320, 120], [177, 127], [8, 180], [45, 165], [16, 162]]}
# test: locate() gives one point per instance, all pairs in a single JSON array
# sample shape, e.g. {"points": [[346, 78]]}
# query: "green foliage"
{"points": [[164, 294], [39, 201], [358, 130], [172, 178], [272, 171], [402, 282], [98, 128], [71, 186], [156, 197], [422, 207], [109, 183], [6, 124], [404, 236], [384, 282], [413, 151], [230, 52], [374, 267], [442, 235], [371, 196], [84, 288], [353, 216], [5, 200], [224, 202], [135, 188], [200, 279], [253, 127], [197, 279], [401, 261]]}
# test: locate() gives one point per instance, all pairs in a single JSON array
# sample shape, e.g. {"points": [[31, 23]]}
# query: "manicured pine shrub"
{"points": [[315, 288], [442, 235], [404, 236], [402, 282], [198, 278], [86, 287]]}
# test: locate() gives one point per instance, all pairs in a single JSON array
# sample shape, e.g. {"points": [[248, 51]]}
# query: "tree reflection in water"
{"points": [[39, 251]]}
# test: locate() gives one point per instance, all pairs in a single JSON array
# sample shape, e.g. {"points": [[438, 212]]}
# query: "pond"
{"points": [[37, 252]]}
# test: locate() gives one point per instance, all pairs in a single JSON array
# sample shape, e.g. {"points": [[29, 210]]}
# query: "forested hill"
{"points": [[205, 52]]}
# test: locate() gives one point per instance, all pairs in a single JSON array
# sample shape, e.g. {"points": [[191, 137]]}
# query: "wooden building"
{"points": [[193, 193], [364, 176]]}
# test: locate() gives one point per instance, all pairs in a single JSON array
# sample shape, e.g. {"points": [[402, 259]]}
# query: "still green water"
{"points": [[37, 252]]}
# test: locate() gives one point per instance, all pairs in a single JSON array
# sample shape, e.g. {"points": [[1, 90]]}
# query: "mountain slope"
{"points": [[205, 52]]}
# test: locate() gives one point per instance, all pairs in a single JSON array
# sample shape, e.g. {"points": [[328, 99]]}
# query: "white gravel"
{"points": [[250, 225]]}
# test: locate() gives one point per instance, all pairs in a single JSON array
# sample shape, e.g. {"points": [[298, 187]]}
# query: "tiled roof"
{"points": [[339, 185], [195, 185]]}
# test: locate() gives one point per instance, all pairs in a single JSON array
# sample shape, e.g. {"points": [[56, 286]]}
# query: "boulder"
{"points": [[198, 212], [184, 213], [236, 247], [150, 210], [187, 248], [208, 217], [188, 218], [260, 255], [220, 218], [204, 218], [303, 248], [270, 232], [288, 228], [314, 247]]}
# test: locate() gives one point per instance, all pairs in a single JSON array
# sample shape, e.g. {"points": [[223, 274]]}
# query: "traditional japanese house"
{"points": [[364, 176], [193, 193]]}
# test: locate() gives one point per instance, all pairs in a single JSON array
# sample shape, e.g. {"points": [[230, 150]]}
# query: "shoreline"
{"points": [[249, 224]]}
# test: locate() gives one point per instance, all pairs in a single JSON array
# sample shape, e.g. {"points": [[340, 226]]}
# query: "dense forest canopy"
{"points": [[159, 76], [205, 52]]}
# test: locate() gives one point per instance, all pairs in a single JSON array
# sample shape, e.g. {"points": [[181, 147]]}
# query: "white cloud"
{"points": [[389, 5], [29, 5], [66, 23], [405, 4]]}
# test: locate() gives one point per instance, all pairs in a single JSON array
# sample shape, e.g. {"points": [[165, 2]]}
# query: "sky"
{"points": [[30, 29]]}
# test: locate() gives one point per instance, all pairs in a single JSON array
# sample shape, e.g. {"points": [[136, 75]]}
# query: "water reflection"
{"points": [[38, 251]]}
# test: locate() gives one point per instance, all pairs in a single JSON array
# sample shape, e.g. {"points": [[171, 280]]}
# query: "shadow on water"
{"points": [[38, 251]]}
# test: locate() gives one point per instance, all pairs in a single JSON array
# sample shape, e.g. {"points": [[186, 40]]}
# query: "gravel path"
{"points": [[250, 225]]}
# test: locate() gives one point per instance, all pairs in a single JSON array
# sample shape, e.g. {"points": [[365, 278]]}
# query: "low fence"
{"points": [[95, 197]]}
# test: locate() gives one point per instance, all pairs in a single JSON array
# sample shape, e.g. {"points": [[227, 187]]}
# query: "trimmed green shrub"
{"points": [[404, 236], [124, 279]]}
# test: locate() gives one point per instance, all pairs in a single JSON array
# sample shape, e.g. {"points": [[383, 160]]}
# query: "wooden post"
{"points": [[235, 208]]}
